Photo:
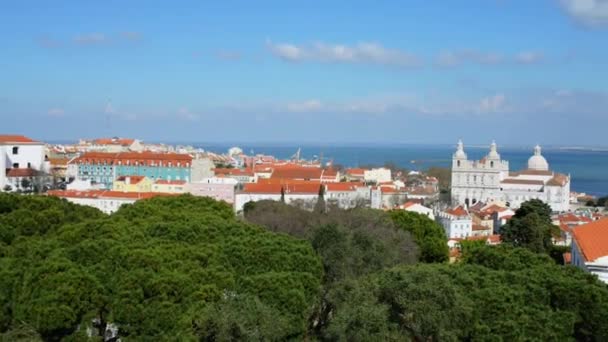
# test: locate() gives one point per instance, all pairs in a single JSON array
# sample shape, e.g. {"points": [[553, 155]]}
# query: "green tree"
{"points": [[428, 234], [320, 205], [530, 227]]}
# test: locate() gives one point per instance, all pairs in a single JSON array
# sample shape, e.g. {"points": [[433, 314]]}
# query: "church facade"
{"points": [[489, 180]]}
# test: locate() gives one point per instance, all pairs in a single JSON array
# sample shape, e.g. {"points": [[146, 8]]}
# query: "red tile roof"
{"points": [[305, 173], [459, 211], [558, 180], [114, 141], [21, 173], [592, 239], [132, 179], [170, 182], [343, 186], [297, 188], [479, 227], [17, 139], [140, 158], [355, 172], [59, 161]]}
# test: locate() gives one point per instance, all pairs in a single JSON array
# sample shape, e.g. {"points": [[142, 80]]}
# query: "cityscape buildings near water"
{"points": [[110, 172]]}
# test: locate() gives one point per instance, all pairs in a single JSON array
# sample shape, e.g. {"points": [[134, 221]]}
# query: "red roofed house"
{"points": [[132, 184], [355, 174], [304, 193], [457, 222], [347, 194], [590, 248], [20, 157]]}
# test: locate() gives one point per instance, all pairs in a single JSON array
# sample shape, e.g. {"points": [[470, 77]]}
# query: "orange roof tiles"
{"points": [[297, 188], [459, 211], [16, 139], [141, 158], [232, 172], [306, 173], [132, 179], [558, 180], [355, 172], [170, 182], [592, 239], [343, 186], [478, 227], [114, 141], [21, 173]]}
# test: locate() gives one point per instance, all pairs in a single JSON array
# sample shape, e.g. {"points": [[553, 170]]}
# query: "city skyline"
{"points": [[516, 71]]}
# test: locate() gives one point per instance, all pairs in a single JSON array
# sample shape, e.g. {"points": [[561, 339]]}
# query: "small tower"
{"points": [[459, 156]]}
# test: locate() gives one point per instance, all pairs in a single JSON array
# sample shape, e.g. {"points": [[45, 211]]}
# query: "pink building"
{"points": [[218, 188]]}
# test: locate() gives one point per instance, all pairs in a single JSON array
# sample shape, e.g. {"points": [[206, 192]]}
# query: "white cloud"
{"points": [[529, 57], [90, 39], [360, 53], [306, 106], [56, 112], [456, 58], [490, 104], [592, 13]]}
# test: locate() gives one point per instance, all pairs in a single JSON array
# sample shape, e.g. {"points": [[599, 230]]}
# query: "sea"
{"points": [[588, 167]]}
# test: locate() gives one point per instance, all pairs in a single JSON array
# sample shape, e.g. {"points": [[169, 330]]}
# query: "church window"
{"points": [[458, 163], [491, 164]]}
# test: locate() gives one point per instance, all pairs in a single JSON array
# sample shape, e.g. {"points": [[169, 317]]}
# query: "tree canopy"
{"points": [[496, 293], [165, 268], [428, 234], [530, 227]]}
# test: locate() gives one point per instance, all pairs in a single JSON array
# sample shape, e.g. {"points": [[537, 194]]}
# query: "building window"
{"points": [[491, 164], [15, 149], [15, 165], [29, 165], [458, 163]]}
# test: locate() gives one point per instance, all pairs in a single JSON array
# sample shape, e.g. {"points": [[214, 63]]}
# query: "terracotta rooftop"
{"points": [[21, 172], [141, 158], [261, 188], [459, 211], [17, 139], [343, 186], [558, 180], [355, 172], [132, 179], [170, 182], [592, 239], [306, 173], [114, 141], [232, 172]]}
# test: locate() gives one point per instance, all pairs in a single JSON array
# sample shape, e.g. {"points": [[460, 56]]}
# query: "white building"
{"points": [[489, 180], [347, 195], [457, 223], [380, 175], [105, 200], [418, 208], [20, 156], [218, 188], [590, 248], [305, 194]]}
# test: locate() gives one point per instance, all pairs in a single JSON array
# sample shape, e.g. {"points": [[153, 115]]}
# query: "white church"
{"points": [[489, 180]]}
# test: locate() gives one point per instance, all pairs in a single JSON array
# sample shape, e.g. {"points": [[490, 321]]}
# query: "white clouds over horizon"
{"points": [[359, 53], [592, 13]]}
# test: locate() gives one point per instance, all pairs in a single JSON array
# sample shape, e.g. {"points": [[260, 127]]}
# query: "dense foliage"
{"points": [[530, 227], [428, 234], [185, 268], [165, 268], [496, 293]]}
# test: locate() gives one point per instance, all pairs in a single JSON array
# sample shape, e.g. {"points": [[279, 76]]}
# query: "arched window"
{"points": [[458, 163], [491, 164]]}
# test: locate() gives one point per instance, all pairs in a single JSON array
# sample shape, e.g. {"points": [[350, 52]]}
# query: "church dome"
{"points": [[537, 161]]}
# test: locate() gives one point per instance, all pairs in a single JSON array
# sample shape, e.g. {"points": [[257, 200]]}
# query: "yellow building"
{"points": [[171, 187], [132, 184]]}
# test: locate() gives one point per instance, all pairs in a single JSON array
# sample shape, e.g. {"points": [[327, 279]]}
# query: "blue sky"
{"points": [[429, 71]]}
